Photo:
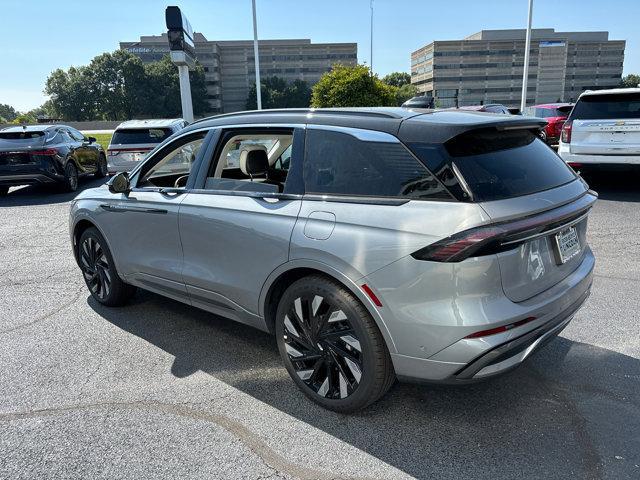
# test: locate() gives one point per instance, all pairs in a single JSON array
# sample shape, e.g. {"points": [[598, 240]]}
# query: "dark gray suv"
{"points": [[374, 243]]}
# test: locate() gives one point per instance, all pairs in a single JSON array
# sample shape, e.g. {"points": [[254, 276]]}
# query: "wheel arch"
{"points": [[82, 224], [286, 274]]}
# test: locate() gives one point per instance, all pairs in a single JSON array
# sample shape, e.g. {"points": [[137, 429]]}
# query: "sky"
{"points": [[40, 36]]}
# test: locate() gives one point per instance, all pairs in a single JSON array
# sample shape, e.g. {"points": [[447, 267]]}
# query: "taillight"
{"points": [[47, 152], [498, 237], [566, 131]]}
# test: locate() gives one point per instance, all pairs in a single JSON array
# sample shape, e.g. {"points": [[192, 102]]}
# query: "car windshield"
{"points": [[129, 136], [619, 105]]}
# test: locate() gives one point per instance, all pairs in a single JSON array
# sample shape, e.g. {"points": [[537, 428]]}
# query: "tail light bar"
{"points": [[47, 152], [501, 236], [566, 131]]}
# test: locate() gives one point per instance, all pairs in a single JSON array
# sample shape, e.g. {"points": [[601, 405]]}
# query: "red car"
{"points": [[555, 114]]}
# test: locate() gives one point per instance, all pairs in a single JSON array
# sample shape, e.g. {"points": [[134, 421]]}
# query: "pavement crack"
{"points": [[271, 458]]}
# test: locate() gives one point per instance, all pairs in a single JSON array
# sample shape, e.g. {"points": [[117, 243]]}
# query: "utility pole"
{"points": [[256, 56], [371, 40], [527, 47]]}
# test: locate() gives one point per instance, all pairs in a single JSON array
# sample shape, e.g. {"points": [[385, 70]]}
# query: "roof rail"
{"points": [[364, 112]]}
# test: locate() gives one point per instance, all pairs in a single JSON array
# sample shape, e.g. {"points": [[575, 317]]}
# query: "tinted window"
{"points": [[75, 134], [625, 105], [140, 135], [21, 135], [497, 165], [339, 163], [553, 112]]}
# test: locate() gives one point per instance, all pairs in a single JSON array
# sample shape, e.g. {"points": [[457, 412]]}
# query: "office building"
{"points": [[487, 67], [229, 65]]}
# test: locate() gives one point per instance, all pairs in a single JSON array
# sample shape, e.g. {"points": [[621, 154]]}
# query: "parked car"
{"points": [[603, 129], [421, 101], [47, 154], [374, 243], [134, 139], [555, 114]]}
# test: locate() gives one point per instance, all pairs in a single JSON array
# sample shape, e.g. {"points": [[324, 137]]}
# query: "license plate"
{"points": [[567, 245]]}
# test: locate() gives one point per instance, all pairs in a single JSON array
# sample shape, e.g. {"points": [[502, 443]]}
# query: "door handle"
{"points": [[126, 208]]}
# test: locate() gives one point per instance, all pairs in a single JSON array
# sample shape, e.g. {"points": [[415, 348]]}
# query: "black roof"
{"points": [[412, 125], [31, 128]]}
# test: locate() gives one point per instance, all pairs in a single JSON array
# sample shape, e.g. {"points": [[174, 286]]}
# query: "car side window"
{"points": [[338, 163], [76, 135], [251, 161], [174, 164], [65, 136]]}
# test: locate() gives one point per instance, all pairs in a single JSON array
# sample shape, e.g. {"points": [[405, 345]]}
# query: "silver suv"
{"points": [[374, 243]]}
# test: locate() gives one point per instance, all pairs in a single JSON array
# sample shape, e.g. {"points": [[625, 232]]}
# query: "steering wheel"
{"points": [[179, 180]]}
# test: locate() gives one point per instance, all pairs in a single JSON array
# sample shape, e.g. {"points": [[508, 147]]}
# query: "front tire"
{"points": [[70, 177], [102, 169], [99, 270], [330, 345]]}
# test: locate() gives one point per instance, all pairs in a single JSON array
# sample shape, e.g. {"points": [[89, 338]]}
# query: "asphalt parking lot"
{"points": [[161, 390]]}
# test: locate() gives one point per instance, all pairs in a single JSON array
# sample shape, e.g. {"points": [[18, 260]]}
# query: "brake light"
{"points": [[47, 152], [504, 328], [497, 237], [566, 131]]}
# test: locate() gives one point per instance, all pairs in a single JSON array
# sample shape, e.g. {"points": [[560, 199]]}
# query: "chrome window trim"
{"points": [[360, 133]]}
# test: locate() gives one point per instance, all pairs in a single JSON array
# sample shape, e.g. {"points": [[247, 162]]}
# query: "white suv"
{"points": [[134, 139], [603, 129]]}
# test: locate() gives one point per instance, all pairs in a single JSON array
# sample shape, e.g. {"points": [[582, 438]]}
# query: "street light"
{"points": [[256, 56], [371, 40], [527, 46], [183, 52]]}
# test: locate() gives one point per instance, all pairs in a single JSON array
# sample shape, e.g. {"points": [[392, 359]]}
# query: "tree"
{"points": [[7, 112], [277, 93], [405, 92], [24, 118], [351, 86], [397, 79], [630, 81]]}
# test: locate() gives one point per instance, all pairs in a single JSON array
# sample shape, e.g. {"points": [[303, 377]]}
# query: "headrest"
{"points": [[254, 160]]}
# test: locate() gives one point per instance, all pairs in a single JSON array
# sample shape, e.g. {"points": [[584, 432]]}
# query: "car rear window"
{"points": [[21, 135], [340, 164], [597, 107], [552, 112], [495, 165], [129, 136]]}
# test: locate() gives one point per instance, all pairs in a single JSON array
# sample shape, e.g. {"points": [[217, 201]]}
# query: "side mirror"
{"points": [[120, 183], [92, 139]]}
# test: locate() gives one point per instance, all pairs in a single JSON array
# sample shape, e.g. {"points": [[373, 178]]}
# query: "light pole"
{"points": [[527, 46], [371, 40], [256, 56], [183, 52]]}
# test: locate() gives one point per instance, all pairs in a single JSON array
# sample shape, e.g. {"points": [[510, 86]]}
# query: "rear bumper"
{"points": [[584, 159], [473, 359], [26, 179]]}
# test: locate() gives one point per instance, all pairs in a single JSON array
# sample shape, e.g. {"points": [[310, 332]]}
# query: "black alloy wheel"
{"points": [[331, 346], [70, 177], [95, 268], [99, 271], [102, 169]]}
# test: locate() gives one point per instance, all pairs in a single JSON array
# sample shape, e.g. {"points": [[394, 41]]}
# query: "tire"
{"points": [[99, 270], [543, 136], [4, 191], [336, 355], [70, 177], [102, 170]]}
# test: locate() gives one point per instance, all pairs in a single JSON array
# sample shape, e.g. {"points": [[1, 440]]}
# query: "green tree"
{"points": [[277, 93], [630, 81], [24, 118], [405, 92], [397, 79], [352, 86], [7, 112], [71, 93]]}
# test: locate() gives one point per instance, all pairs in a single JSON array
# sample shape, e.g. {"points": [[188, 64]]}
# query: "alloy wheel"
{"points": [[95, 268], [72, 177], [323, 347]]}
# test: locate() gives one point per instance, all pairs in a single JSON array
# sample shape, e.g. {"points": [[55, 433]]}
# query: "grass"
{"points": [[102, 138]]}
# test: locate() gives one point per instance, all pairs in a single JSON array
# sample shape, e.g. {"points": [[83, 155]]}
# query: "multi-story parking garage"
{"points": [[229, 65], [487, 67]]}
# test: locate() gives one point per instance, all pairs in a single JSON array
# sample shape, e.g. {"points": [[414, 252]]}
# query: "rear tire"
{"points": [[99, 270], [330, 345], [101, 170], [70, 177]]}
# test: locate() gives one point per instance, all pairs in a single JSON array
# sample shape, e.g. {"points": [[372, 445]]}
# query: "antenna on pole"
{"points": [[525, 73], [371, 40], [256, 56]]}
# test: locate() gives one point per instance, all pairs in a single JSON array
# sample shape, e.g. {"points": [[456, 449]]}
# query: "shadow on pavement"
{"points": [[622, 186], [47, 194], [572, 411]]}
